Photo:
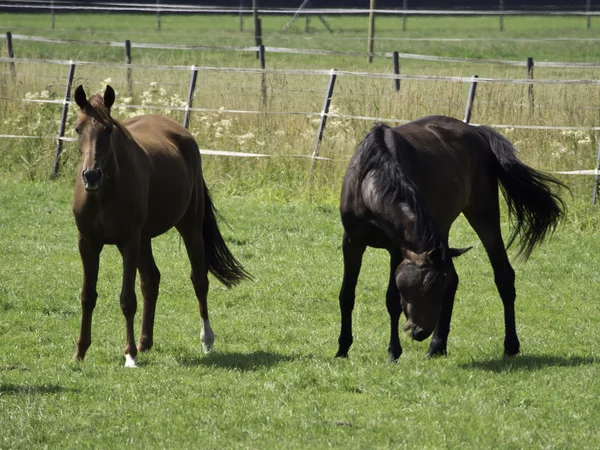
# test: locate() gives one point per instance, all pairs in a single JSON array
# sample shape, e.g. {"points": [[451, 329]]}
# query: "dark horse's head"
{"points": [[94, 127], [422, 280]]}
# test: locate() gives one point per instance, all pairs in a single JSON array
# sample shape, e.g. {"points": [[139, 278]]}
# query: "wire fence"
{"points": [[322, 116]]}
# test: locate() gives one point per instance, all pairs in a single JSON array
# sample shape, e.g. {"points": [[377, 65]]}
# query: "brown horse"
{"points": [[403, 189], [137, 180]]}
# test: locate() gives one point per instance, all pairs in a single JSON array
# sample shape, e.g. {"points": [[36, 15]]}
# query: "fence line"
{"points": [[308, 72], [324, 114], [297, 51], [166, 8]]}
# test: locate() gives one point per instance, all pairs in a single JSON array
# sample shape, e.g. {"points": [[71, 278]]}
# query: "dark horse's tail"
{"points": [[534, 208], [221, 263]]}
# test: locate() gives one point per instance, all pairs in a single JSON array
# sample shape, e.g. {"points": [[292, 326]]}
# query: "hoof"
{"points": [[129, 361], [341, 354], [144, 347]]}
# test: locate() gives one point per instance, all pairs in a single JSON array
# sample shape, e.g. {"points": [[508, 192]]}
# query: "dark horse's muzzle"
{"points": [[419, 334], [92, 179]]}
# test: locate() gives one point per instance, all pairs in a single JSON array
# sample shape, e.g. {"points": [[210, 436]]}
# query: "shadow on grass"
{"points": [[237, 361], [529, 363], [25, 389]]}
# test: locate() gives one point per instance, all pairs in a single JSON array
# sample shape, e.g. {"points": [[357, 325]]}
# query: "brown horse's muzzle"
{"points": [[92, 179]]}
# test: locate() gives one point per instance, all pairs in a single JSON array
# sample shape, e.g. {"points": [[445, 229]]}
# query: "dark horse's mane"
{"points": [[385, 152]]}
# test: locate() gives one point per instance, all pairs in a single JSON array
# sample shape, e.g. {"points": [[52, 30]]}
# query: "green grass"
{"points": [[272, 381]]}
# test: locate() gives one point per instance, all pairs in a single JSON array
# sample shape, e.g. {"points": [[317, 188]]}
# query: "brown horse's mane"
{"points": [[98, 109]]}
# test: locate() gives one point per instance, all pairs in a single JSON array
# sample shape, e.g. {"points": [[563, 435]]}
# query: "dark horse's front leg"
{"points": [[130, 253], [353, 254], [90, 258], [439, 341], [392, 302]]}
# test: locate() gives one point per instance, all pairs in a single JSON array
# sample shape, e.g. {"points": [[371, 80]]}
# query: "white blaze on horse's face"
{"points": [[94, 145]]}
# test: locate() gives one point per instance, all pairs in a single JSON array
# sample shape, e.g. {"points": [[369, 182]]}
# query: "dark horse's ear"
{"points": [[109, 96], [454, 252], [80, 97]]}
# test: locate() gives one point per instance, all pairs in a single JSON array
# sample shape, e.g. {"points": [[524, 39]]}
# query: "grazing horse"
{"points": [[137, 180], [403, 189]]}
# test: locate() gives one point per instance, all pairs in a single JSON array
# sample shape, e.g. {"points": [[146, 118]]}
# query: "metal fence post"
{"points": [[263, 82], [596, 177], [9, 48], [470, 100], [530, 86], [396, 62], [190, 97], [128, 62], [63, 120], [326, 104]]}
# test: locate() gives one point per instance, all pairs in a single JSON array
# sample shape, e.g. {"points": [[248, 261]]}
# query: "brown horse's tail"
{"points": [[221, 263], [534, 208]]}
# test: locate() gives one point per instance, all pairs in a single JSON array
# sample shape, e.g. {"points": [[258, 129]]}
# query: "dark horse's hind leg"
{"points": [[487, 226], [353, 254], [90, 258], [194, 243], [149, 281], [439, 341], [392, 302]]}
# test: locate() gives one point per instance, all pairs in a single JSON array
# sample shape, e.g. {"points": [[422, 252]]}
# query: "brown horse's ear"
{"points": [[80, 97], [109, 96], [454, 252]]}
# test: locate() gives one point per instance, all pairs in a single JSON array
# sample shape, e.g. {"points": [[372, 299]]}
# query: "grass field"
{"points": [[272, 381]]}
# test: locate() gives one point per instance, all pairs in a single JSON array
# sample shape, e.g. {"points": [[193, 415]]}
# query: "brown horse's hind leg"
{"points": [[149, 282], [487, 226], [90, 258], [130, 254], [194, 243]]}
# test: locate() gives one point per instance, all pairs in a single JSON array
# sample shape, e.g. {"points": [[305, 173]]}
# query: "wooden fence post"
{"points": [[63, 120], [263, 81], [501, 8], [158, 25], [52, 13], [470, 100], [258, 35], [404, 8], [596, 177], [530, 86], [326, 104], [371, 32], [190, 97], [128, 62], [588, 6], [9, 48], [396, 61]]}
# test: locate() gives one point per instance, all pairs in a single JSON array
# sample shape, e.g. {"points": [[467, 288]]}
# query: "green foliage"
{"points": [[272, 381]]}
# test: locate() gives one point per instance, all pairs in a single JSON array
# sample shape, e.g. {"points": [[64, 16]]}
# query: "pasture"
{"points": [[272, 381]]}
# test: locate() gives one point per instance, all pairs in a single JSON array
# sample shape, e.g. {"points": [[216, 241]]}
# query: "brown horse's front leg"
{"points": [[130, 253], [90, 258]]}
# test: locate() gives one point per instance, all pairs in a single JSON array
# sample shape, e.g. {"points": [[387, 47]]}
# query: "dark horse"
{"points": [[403, 189], [137, 180]]}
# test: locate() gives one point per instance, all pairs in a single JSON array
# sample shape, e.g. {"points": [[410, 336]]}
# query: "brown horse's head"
{"points": [[422, 279], [94, 127]]}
